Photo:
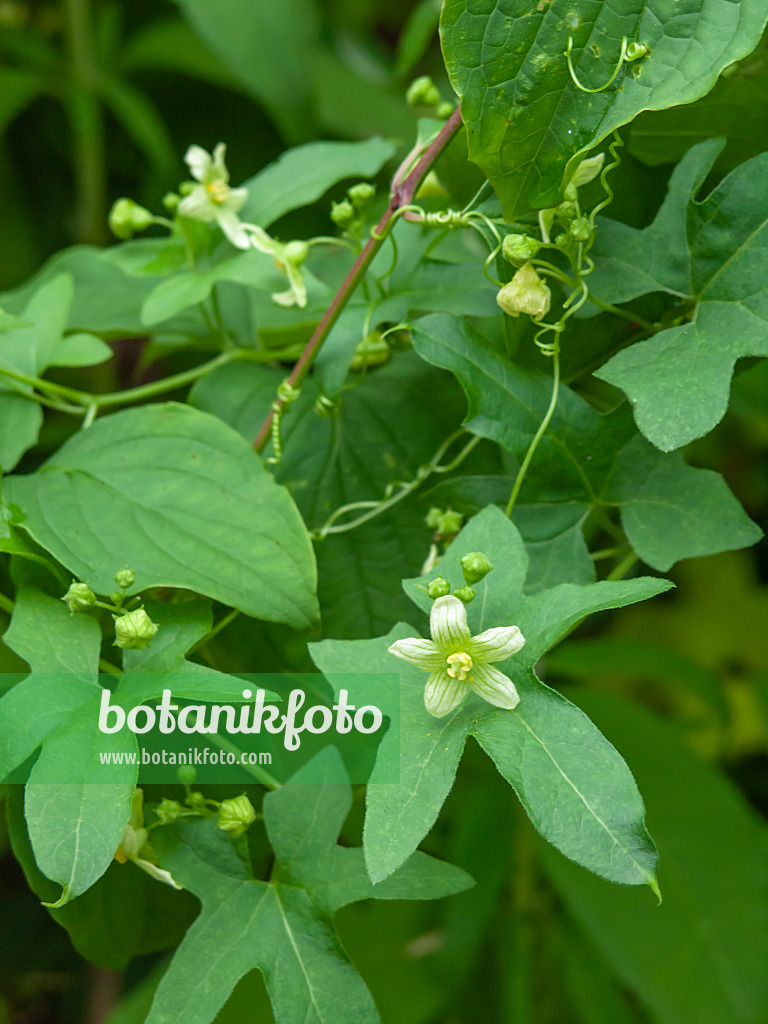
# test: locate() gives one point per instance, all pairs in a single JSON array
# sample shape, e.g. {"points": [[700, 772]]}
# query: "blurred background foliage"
{"points": [[99, 99]]}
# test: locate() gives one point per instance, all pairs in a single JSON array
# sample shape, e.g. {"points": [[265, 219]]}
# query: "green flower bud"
{"points": [[445, 523], [581, 229], [124, 578], [79, 597], [422, 92], [371, 351], [168, 810], [196, 801], [571, 193], [566, 211], [171, 201], [518, 249], [186, 774], [134, 630], [561, 241], [475, 567], [444, 110], [361, 195], [525, 293], [186, 187], [295, 253], [342, 213], [438, 588], [236, 815], [465, 594], [127, 217], [117, 597]]}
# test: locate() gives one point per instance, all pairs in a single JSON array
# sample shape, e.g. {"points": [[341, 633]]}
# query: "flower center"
{"points": [[459, 665], [218, 190]]}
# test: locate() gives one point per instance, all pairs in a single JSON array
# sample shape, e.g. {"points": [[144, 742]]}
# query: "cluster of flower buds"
{"points": [[423, 95], [133, 629], [349, 213], [445, 523], [474, 567]]}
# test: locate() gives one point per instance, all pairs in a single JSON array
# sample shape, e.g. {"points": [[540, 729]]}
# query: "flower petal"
{"points": [[159, 873], [422, 653], [496, 644], [492, 685], [198, 161], [263, 242], [198, 205], [448, 624], [218, 164], [443, 693], [235, 200], [298, 287], [230, 224]]}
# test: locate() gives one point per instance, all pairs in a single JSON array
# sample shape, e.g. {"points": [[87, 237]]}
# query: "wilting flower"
{"points": [[525, 293], [213, 199], [135, 841], [288, 257], [458, 662]]}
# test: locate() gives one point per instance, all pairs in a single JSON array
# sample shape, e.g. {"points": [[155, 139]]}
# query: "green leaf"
{"points": [[713, 875], [572, 783], [80, 350], [164, 665], [76, 807], [304, 174], [529, 124], [710, 253], [63, 652], [735, 109], [282, 927], [586, 457], [184, 501], [253, 41], [383, 433]]}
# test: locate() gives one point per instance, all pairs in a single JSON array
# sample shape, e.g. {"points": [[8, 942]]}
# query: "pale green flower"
{"points": [[135, 841], [288, 257], [458, 662], [213, 199], [525, 293]]}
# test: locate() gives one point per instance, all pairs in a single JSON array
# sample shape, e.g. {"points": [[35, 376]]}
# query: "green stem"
{"points": [[538, 435], [6, 604], [623, 567], [402, 197], [159, 387], [86, 123], [261, 776], [220, 625]]}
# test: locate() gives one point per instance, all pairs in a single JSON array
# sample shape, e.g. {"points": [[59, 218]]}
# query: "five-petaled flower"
{"points": [[458, 662], [213, 199]]}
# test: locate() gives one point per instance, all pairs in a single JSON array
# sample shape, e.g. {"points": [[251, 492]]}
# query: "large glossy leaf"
{"points": [[573, 784], [710, 255], [526, 118], [700, 955], [669, 510], [184, 501], [282, 927]]}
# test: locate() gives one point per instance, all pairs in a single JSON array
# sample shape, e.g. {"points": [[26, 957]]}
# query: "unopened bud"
{"points": [[124, 578], [342, 213], [168, 810], [561, 241], [171, 201], [134, 630], [444, 110], [438, 588], [79, 597], [295, 253], [581, 229], [566, 211], [525, 293], [518, 249], [422, 92], [236, 815], [475, 567], [186, 774], [361, 194], [127, 217], [445, 523], [465, 594]]}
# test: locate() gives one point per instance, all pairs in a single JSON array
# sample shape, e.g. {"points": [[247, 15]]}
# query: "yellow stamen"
{"points": [[218, 190], [459, 665]]}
